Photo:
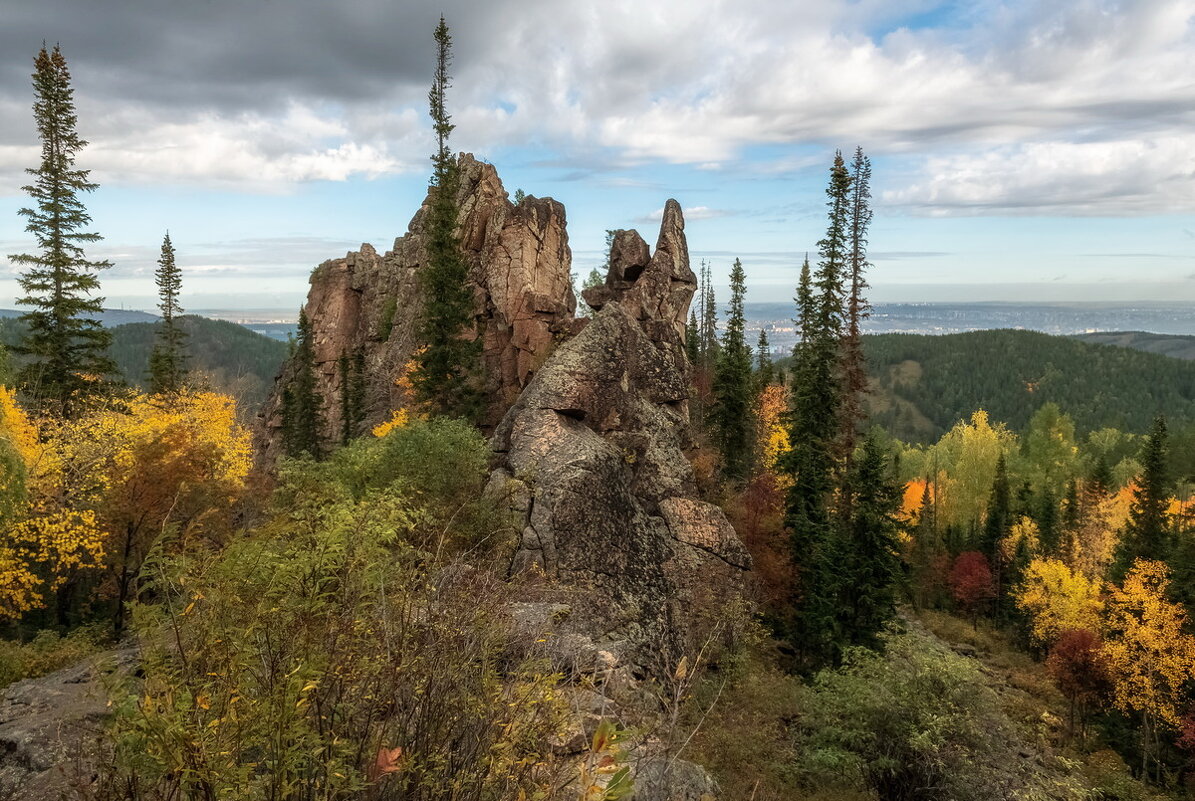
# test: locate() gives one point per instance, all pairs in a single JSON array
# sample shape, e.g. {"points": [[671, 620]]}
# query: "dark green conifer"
{"points": [[448, 377], [733, 387], [693, 339], [168, 360], [1147, 535], [302, 405], [67, 345], [767, 370], [872, 566], [811, 462], [854, 371], [1047, 522]]}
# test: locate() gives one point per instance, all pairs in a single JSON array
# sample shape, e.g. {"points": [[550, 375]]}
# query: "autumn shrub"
{"points": [[328, 657], [915, 722], [47, 652]]}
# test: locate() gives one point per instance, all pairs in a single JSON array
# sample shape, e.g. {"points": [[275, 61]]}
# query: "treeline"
{"points": [[925, 384]]}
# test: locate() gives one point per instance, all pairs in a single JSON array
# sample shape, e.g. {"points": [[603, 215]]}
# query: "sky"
{"points": [[1021, 150]]}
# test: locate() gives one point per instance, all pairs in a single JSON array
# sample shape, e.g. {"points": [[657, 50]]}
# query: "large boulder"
{"points": [[366, 302]]}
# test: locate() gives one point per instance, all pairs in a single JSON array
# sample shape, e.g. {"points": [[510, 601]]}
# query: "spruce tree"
{"points": [[167, 360], [814, 425], [302, 405], [693, 339], [1147, 535], [767, 372], [854, 372], [733, 387], [448, 374], [67, 346], [872, 557]]}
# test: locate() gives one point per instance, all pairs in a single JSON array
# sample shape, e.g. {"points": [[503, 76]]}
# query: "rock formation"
{"points": [[519, 260], [50, 729], [591, 455]]}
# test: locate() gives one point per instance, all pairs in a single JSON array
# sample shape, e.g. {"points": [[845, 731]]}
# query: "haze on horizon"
{"points": [[1022, 150]]}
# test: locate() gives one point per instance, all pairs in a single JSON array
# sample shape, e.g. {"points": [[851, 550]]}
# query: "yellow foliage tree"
{"points": [[771, 433], [1057, 599], [968, 454], [1148, 651], [103, 485]]}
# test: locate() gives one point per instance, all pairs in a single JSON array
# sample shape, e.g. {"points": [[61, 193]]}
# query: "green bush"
{"points": [[326, 658], [915, 722], [439, 464], [47, 652]]}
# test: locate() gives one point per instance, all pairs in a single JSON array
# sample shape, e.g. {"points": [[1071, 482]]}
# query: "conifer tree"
{"points": [[999, 513], [167, 361], [693, 339], [767, 372], [448, 374], [733, 422], [1147, 535], [814, 426], [302, 405], [67, 345], [709, 319], [854, 372], [872, 565]]}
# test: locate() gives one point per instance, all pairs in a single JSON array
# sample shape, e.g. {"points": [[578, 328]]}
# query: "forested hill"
{"points": [[232, 358], [1176, 345], [924, 384]]}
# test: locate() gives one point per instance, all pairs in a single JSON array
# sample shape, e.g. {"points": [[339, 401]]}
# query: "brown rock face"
{"points": [[591, 456], [519, 260]]}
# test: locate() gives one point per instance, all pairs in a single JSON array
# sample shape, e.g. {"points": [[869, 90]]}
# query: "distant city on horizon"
{"points": [[924, 317]]}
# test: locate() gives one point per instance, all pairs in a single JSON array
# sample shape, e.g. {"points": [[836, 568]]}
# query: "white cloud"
{"points": [[1137, 176], [680, 81]]}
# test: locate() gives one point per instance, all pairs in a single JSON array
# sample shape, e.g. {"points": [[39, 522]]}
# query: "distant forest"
{"points": [[923, 385], [231, 358]]}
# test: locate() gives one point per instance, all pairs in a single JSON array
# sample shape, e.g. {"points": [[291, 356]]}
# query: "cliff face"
{"points": [[519, 262]]}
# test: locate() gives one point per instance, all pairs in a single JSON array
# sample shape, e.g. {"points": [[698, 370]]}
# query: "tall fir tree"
{"points": [[811, 462], [871, 568], [67, 346], [302, 405], [448, 378], [733, 388], [854, 371], [168, 359], [344, 367], [693, 339], [1147, 535]]}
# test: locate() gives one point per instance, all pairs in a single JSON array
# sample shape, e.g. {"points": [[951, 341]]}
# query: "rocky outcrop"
{"points": [[50, 729], [520, 264], [592, 457]]}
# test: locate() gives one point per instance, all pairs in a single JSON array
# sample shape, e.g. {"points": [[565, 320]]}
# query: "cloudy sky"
{"points": [[1022, 150]]}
